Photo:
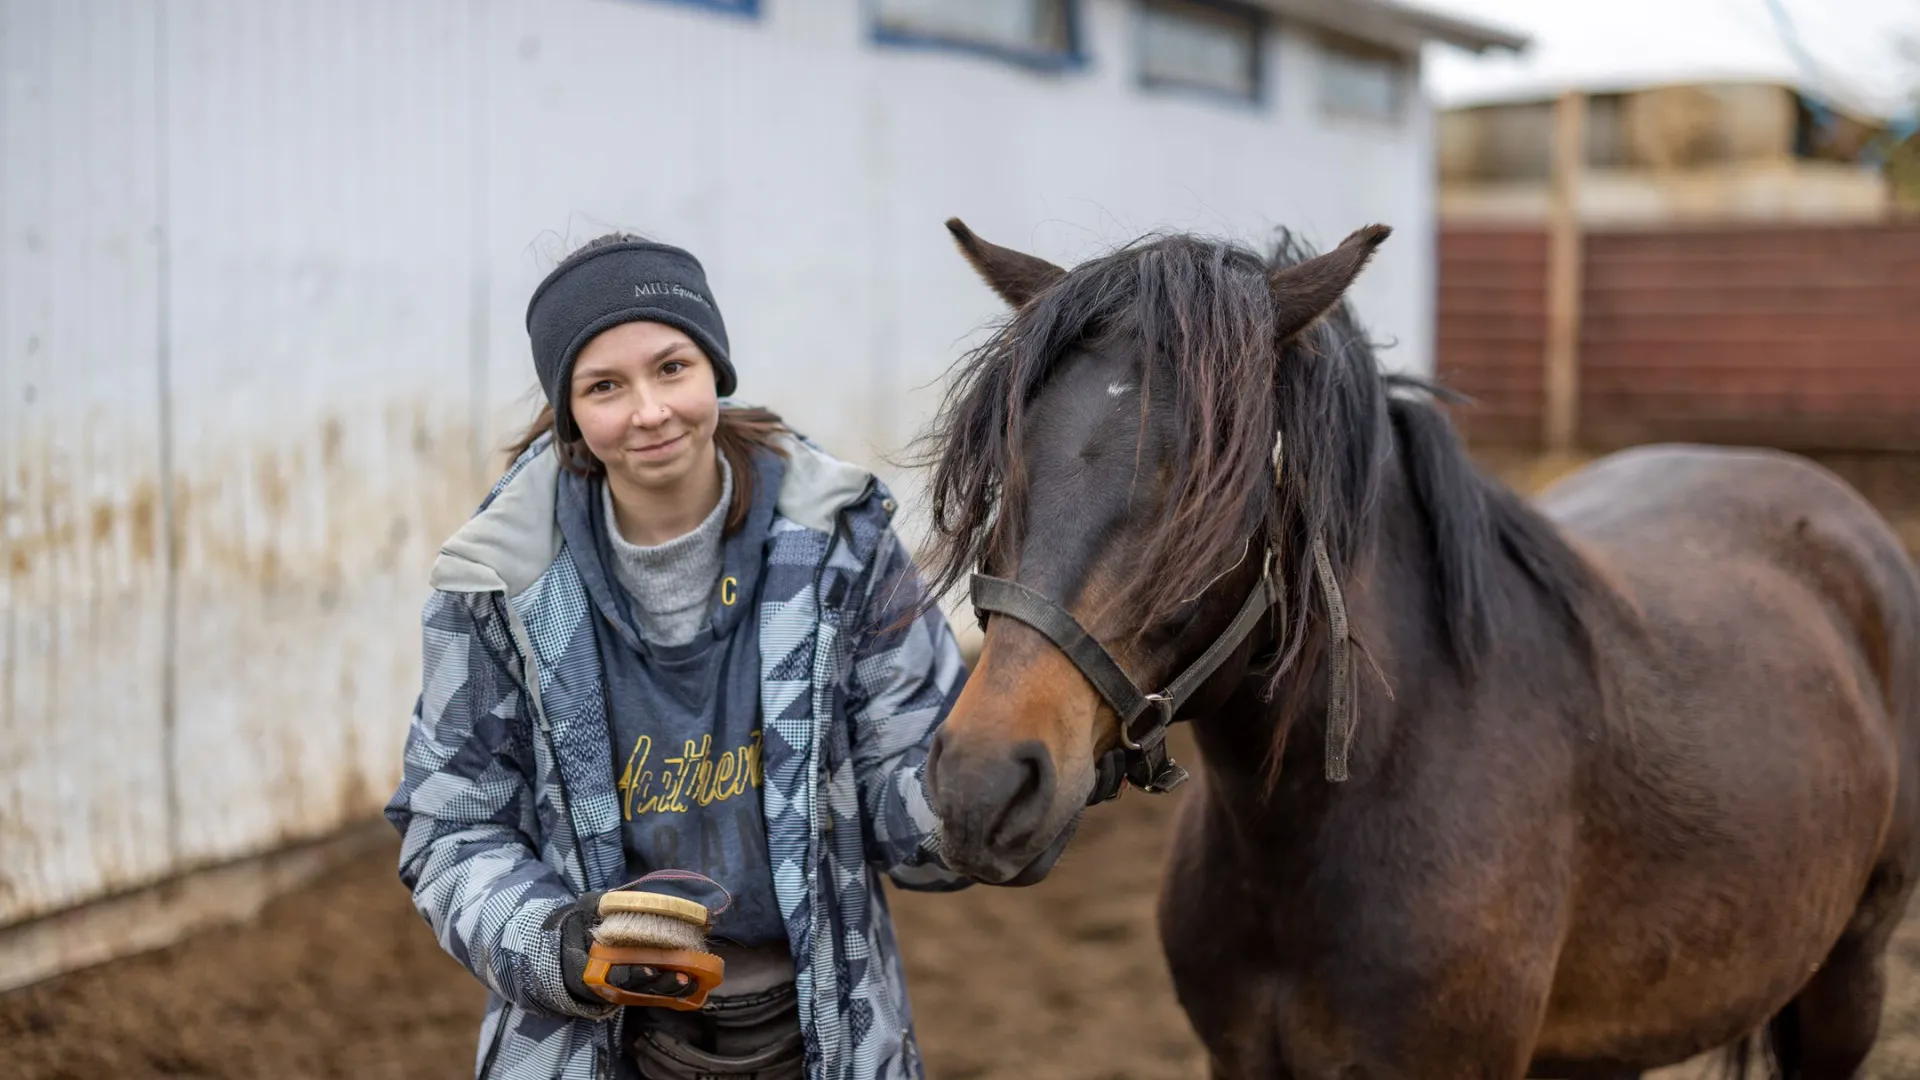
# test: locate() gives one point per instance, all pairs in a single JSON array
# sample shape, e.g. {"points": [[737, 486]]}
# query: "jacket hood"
{"points": [[515, 537]]}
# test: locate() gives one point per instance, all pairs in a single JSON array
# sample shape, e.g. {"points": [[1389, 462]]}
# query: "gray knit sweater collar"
{"points": [[672, 584]]}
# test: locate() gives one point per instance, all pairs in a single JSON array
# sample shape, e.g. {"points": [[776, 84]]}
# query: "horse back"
{"points": [[1763, 735], [1695, 530]]}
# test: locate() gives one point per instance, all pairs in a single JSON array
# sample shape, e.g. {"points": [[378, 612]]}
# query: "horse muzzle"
{"points": [[1003, 813]]}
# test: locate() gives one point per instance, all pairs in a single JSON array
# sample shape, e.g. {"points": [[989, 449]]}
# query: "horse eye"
{"points": [[1170, 629]]}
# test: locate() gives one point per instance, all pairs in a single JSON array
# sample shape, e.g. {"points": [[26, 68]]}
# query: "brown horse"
{"points": [[1491, 789]]}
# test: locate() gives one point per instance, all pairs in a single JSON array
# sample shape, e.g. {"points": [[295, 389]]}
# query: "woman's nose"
{"points": [[649, 413]]}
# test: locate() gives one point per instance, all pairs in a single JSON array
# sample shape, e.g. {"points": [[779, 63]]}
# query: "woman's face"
{"points": [[645, 401]]}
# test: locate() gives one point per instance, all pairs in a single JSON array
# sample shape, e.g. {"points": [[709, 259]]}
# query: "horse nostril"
{"points": [[1028, 782], [935, 751], [1036, 767]]}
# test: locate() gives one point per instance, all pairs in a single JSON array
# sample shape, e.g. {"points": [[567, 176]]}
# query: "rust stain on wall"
{"points": [[273, 484], [299, 635], [300, 558], [80, 691], [50, 528], [143, 516], [332, 433]]}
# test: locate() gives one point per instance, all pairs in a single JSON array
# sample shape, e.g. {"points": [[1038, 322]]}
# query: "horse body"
{"points": [[1603, 886], [1635, 771], [1760, 793]]}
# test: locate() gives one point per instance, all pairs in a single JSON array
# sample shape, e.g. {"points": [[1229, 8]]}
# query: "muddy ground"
{"points": [[1063, 980]]}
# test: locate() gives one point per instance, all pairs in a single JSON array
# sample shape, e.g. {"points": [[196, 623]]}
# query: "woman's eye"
{"points": [[600, 387], [673, 367]]}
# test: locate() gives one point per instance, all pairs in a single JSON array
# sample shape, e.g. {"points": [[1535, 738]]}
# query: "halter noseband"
{"points": [[1148, 765]]}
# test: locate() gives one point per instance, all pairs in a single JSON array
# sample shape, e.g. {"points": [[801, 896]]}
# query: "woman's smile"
{"points": [[657, 450]]}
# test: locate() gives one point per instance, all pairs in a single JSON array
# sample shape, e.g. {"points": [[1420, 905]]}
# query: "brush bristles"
{"points": [[629, 929]]}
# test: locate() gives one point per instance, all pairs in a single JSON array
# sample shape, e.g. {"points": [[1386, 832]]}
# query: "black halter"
{"points": [[1146, 762], [1148, 765]]}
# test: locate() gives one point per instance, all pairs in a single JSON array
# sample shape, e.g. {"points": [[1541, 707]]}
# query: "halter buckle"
{"points": [[1161, 777], [1156, 734]]}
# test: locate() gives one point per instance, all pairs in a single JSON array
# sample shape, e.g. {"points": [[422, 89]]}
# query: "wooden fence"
{"points": [[1804, 337]]}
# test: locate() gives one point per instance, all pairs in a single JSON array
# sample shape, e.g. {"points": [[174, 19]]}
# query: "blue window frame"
{"points": [[745, 8], [1211, 47], [1042, 34]]}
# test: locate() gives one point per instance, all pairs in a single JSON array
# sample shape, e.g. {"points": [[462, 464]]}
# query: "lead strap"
{"points": [[1339, 701]]}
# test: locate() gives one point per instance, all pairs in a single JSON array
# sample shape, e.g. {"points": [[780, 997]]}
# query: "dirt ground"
{"points": [[1063, 980], [342, 981]]}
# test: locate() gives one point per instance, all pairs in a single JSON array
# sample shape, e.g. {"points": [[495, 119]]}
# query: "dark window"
{"points": [[1038, 32], [1361, 80], [1201, 45]]}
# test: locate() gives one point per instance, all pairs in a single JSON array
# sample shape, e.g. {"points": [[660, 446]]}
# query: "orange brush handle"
{"points": [[705, 969]]}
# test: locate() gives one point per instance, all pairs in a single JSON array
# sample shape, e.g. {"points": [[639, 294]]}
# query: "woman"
{"points": [[674, 637]]}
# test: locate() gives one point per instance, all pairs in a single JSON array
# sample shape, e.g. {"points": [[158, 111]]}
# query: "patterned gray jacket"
{"points": [[507, 807]]}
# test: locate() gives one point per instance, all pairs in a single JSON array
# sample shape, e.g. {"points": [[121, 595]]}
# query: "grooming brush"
{"points": [[655, 930]]}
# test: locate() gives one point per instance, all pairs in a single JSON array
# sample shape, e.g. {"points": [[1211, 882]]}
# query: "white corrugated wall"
{"points": [[263, 268], [85, 789]]}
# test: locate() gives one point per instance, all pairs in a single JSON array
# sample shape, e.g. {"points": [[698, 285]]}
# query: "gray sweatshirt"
{"points": [[671, 585]]}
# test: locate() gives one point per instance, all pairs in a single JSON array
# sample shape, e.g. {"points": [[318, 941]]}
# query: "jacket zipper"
{"points": [[493, 1047], [525, 678], [819, 614]]}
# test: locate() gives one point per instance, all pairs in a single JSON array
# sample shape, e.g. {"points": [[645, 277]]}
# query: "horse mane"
{"points": [[1202, 311]]}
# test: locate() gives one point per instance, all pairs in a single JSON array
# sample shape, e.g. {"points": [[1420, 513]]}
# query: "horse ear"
{"points": [[1017, 277], [1305, 291]]}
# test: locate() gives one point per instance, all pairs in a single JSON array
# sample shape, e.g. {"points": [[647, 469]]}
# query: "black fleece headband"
{"points": [[631, 281]]}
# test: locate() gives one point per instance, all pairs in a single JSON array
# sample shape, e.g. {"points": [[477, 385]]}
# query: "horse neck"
{"points": [[1406, 683]]}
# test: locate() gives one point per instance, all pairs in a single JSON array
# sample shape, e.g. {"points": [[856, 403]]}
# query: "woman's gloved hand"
{"points": [[575, 922]]}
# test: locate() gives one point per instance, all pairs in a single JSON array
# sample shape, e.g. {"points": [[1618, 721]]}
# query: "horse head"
{"points": [[1105, 477]]}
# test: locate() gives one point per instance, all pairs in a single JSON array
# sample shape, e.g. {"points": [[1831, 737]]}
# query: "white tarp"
{"points": [[1861, 55]]}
